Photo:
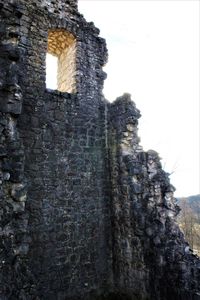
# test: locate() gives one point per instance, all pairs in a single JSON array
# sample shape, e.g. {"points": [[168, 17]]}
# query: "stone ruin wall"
{"points": [[151, 257], [55, 211], [85, 212]]}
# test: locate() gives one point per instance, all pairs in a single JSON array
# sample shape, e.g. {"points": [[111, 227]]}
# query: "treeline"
{"points": [[189, 221]]}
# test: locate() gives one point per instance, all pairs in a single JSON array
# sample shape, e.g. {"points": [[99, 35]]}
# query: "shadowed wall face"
{"points": [[85, 212], [55, 237]]}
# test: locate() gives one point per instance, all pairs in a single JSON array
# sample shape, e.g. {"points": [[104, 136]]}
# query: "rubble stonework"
{"points": [[85, 212], [151, 258]]}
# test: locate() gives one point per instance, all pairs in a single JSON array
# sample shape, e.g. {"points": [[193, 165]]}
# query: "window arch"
{"points": [[62, 50]]}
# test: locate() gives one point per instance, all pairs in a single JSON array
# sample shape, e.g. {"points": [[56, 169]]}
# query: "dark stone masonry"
{"points": [[85, 213]]}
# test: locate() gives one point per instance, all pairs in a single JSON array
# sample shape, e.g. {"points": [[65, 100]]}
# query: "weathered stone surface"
{"points": [[150, 253], [85, 212]]}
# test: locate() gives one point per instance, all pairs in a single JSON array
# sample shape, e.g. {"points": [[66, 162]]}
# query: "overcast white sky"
{"points": [[154, 55]]}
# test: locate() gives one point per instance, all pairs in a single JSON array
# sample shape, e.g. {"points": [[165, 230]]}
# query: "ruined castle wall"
{"points": [[85, 212], [151, 258], [131, 274], [68, 207], [13, 215]]}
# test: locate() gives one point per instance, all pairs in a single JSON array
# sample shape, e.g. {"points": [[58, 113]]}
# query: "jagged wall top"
{"points": [[59, 6], [85, 212]]}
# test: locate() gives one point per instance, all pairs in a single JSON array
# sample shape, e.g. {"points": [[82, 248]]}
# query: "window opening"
{"points": [[51, 71], [61, 61]]}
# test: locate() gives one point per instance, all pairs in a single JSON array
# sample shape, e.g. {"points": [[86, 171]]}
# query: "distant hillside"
{"points": [[189, 220], [192, 201]]}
